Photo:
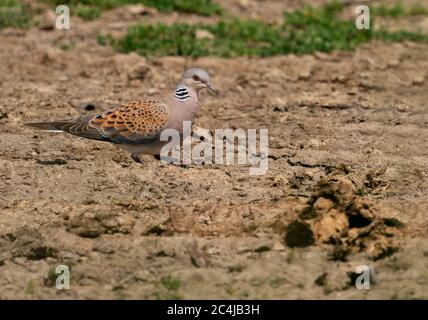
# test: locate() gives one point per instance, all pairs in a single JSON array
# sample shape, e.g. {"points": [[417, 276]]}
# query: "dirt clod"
{"points": [[93, 224], [31, 244], [336, 216]]}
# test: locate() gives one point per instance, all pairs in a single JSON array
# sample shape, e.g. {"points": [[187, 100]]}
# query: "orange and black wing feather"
{"points": [[137, 122]]}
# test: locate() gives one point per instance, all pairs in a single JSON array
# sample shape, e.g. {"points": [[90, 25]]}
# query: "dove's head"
{"points": [[197, 79]]}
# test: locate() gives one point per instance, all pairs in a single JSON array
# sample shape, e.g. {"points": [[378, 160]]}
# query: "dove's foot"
{"points": [[136, 157]]}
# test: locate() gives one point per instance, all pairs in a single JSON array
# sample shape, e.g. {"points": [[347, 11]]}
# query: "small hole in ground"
{"points": [[299, 234], [358, 221]]}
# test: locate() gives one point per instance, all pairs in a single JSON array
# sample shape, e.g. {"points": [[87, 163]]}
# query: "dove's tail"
{"points": [[75, 127], [47, 126]]}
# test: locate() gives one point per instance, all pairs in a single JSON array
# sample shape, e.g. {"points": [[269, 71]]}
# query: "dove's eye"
{"points": [[196, 78]]}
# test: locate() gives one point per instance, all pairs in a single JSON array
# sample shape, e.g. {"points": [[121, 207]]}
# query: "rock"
{"points": [[13, 32], [152, 91], [47, 21], [381, 249], [403, 108], [102, 246], [93, 224], [51, 161], [139, 10], [5, 250], [330, 227], [51, 55], [315, 143], [87, 106], [197, 256], [418, 79], [321, 280], [244, 4], [280, 180], [263, 248], [139, 72], [68, 258], [144, 276], [204, 34], [3, 112], [323, 205], [342, 192], [276, 75], [30, 244]]}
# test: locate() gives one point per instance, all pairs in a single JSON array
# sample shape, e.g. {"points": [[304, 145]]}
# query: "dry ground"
{"points": [[347, 181]]}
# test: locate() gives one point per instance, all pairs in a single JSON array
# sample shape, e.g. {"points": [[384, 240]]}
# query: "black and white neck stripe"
{"points": [[181, 93]]}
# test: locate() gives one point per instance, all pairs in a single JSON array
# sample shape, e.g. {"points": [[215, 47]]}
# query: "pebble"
{"points": [[88, 106]]}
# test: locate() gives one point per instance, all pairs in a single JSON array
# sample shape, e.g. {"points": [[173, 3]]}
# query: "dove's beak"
{"points": [[211, 89]]}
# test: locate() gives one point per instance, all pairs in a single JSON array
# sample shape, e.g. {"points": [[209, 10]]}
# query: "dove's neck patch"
{"points": [[181, 93]]}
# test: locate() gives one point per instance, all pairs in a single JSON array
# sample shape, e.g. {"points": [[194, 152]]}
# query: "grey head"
{"points": [[197, 79]]}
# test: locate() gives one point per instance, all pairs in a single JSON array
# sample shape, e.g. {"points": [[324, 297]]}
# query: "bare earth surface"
{"points": [[346, 186]]}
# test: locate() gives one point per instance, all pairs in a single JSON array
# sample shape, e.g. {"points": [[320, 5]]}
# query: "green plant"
{"points": [[170, 283], [304, 31], [392, 11], [311, 29], [399, 36], [276, 282], [88, 13], [229, 289], [398, 10], [29, 289], [14, 14], [169, 289], [202, 7], [66, 46], [231, 38]]}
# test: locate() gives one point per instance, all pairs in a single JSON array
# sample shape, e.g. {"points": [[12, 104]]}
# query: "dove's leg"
{"points": [[171, 161]]}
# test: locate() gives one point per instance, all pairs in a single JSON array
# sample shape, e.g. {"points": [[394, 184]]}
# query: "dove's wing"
{"points": [[137, 122]]}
